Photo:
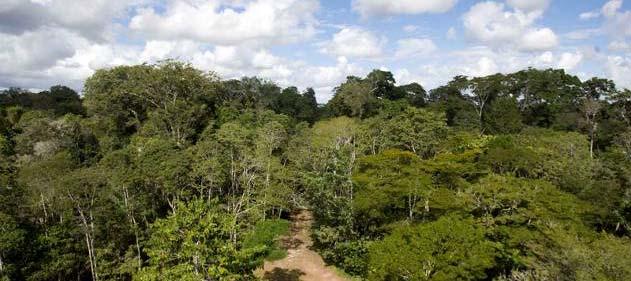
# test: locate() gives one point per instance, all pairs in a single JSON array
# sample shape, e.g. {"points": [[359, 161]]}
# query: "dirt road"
{"points": [[301, 263]]}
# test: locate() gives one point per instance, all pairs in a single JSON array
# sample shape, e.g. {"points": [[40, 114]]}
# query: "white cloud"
{"points": [[264, 59], [403, 76], [538, 40], [619, 69], [92, 19], [485, 66], [582, 34], [489, 23], [545, 58], [451, 33], [230, 22], [589, 15], [368, 8], [233, 62], [412, 47], [611, 8], [481, 61], [529, 5], [35, 49], [354, 42], [621, 46], [71, 68], [329, 75], [617, 26], [570, 61], [616, 21], [48, 42], [324, 78], [89, 58], [410, 28], [158, 50]]}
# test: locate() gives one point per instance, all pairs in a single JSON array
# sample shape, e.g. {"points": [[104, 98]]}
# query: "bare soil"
{"points": [[301, 262]]}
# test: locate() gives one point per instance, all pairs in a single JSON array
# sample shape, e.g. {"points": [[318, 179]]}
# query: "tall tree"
{"points": [[593, 91]]}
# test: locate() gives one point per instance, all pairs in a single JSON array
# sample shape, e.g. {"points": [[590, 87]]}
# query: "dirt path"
{"points": [[301, 263]]}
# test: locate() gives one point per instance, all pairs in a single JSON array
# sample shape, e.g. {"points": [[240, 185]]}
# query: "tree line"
{"points": [[165, 172]]}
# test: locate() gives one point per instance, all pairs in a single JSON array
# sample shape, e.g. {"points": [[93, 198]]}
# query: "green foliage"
{"points": [[504, 116], [390, 186], [266, 234], [12, 239], [562, 158], [511, 201], [458, 111], [415, 94], [165, 172], [173, 97], [195, 244], [413, 129], [354, 98], [351, 255], [580, 255], [62, 257], [59, 100], [303, 107], [451, 248]]}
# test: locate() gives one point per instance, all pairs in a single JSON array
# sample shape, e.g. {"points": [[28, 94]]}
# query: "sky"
{"points": [[314, 43]]}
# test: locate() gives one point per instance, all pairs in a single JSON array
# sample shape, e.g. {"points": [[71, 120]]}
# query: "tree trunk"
{"points": [[88, 228], [90, 256], [591, 146], [132, 220]]}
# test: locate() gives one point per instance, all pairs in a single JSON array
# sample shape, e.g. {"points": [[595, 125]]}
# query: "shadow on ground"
{"points": [[280, 274]]}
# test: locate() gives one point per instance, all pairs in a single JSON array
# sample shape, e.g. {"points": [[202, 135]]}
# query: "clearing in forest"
{"points": [[301, 263]]}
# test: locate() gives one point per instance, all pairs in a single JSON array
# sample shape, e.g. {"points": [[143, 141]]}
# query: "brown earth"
{"points": [[301, 262]]}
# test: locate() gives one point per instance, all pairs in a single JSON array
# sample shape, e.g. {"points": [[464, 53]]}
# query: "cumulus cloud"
{"points": [[229, 22], [616, 21], [156, 50], [70, 69], [482, 61], [412, 47], [404, 76], [354, 42], [529, 5], [367, 8], [569, 61], [48, 42], [91, 19], [619, 69], [324, 78], [35, 49], [233, 62], [538, 40], [490, 23]]}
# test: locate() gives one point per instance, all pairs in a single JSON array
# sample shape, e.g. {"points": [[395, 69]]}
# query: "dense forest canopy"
{"points": [[164, 172]]}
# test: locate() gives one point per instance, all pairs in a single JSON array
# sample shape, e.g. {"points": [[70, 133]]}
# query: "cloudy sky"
{"points": [[312, 43]]}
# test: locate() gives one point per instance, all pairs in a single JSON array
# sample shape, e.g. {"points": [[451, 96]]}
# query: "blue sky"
{"points": [[312, 43]]}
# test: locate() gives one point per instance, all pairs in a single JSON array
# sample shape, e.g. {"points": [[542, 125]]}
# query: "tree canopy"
{"points": [[165, 172]]}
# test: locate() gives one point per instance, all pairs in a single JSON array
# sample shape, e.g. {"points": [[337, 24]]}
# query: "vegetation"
{"points": [[164, 172]]}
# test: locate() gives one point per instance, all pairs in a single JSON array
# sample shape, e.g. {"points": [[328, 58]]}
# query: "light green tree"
{"points": [[195, 244], [451, 248]]}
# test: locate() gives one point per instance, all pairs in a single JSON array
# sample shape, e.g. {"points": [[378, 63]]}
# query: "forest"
{"points": [[165, 172]]}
